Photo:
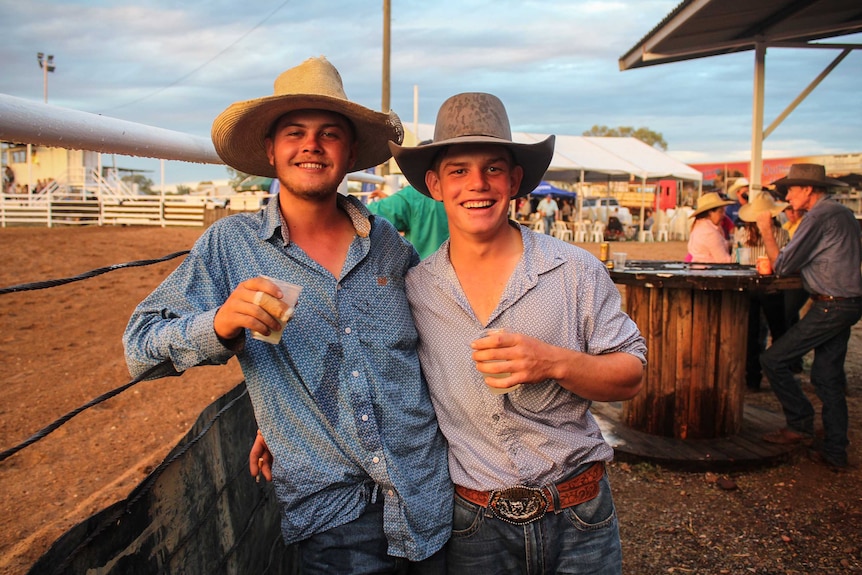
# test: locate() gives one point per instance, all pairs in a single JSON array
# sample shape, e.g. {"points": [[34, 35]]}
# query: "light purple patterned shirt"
{"points": [[538, 434]]}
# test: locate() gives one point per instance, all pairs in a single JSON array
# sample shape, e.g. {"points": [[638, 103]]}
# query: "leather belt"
{"points": [[520, 505], [821, 297]]}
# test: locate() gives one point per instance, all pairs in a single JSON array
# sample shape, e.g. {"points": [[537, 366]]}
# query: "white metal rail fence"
{"points": [[94, 201]]}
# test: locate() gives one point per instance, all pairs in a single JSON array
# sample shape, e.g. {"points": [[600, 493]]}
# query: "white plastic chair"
{"points": [[662, 235], [561, 231], [539, 226], [598, 233], [645, 236], [581, 228]]}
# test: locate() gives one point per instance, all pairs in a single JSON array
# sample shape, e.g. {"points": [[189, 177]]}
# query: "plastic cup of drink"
{"points": [[290, 294], [495, 390], [619, 261]]}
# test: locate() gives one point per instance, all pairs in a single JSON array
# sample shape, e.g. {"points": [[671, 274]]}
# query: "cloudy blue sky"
{"points": [[554, 63]]}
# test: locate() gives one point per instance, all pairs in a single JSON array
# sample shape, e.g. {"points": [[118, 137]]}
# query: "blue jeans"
{"points": [[584, 538], [826, 330], [549, 224], [359, 547]]}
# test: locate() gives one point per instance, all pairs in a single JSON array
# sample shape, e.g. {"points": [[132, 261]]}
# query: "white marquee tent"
{"points": [[599, 159]]}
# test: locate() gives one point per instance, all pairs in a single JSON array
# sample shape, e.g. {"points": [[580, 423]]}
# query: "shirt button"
{"points": [[354, 373], [364, 418], [375, 460], [347, 330], [495, 417], [390, 493]]}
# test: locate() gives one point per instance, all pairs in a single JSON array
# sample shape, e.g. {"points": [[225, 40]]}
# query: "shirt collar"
{"points": [[273, 223], [535, 260]]}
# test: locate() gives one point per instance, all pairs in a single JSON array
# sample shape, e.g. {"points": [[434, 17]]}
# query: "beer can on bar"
{"points": [[605, 251]]}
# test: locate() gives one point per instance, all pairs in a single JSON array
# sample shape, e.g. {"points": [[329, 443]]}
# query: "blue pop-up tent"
{"points": [[545, 188]]}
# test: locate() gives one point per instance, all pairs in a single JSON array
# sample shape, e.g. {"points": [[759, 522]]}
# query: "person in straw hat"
{"points": [[738, 192], [525, 453], [707, 242], [827, 253], [766, 311], [359, 462]]}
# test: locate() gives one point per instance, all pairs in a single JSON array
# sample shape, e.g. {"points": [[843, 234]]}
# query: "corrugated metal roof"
{"points": [[700, 28]]}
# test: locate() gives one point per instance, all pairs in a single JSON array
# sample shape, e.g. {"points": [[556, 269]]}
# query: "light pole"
{"points": [[47, 65]]}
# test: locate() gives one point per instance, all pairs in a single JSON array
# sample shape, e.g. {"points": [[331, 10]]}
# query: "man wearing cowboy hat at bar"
{"points": [[525, 453], [826, 251], [359, 465]]}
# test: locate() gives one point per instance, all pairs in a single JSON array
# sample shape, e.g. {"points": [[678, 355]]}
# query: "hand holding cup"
{"points": [[482, 365]]}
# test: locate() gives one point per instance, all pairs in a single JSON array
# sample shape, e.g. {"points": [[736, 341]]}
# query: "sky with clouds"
{"points": [[554, 63]]}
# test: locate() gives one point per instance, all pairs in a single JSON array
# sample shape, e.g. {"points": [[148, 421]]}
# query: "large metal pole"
{"points": [[386, 106], [757, 117]]}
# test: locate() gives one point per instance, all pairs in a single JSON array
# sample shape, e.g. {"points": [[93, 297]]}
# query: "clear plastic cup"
{"points": [[495, 390], [290, 294], [619, 261]]}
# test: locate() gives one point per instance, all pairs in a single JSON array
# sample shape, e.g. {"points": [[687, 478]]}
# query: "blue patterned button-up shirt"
{"points": [[340, 401]]}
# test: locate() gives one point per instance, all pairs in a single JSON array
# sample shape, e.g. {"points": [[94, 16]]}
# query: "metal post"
{"points": [[757, 117], [387, 16]]}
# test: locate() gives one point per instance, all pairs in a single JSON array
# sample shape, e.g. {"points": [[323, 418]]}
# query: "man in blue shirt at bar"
{"points": [[360, 465], [826, 251]]}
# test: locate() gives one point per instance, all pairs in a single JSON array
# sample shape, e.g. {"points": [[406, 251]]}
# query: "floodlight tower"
{"points": [[47, 65]]}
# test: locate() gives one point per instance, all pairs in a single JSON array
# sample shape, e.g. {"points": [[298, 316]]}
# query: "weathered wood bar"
{"points": [[694, 318]]}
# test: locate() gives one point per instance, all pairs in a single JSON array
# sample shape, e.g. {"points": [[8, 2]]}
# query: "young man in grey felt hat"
{"points": [[526, 455], [826, 251], [360, 464]]}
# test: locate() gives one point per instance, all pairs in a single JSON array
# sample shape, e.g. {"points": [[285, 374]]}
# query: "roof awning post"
{"points": [[757, 115]]}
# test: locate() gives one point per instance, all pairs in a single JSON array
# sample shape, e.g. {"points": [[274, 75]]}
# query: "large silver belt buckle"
{"points": [[518, 505]]}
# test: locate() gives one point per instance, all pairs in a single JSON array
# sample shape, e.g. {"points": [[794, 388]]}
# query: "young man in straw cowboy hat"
{"points": [[525, 454], [360, 465], [826, 251]]}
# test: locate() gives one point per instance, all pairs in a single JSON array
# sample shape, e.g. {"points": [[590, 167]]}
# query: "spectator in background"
{"points": [[794, 217], [525, 209], [8, 180], [567, 211], [649, 219], [766, 313], [707, 242], [614, 231], [549, 212], [738, 192], [827, 252], [418, 217]]}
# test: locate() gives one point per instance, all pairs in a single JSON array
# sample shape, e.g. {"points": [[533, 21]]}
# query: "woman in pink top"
{"points": [[707, 243]]}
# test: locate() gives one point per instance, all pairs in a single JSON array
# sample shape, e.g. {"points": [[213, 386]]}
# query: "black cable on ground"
{"points": [[57, 423], [86, 275]]}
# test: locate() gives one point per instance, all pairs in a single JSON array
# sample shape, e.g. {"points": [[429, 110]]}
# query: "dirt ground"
{"points": [[61, 347]]}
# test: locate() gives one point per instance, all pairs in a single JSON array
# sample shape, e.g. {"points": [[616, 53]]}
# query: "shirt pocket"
{"points": [[383, 313]]}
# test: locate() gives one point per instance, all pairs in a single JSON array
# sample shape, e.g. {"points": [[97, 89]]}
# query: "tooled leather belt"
{"points": [[521, 505]]}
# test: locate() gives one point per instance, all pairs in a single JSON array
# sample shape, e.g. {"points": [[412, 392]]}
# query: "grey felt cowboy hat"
{"points": [[474, 118], [238, 133], [807, 175]]}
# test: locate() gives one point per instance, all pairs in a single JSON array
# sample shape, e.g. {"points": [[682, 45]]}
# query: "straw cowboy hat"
{"points": [[474, 118], [709, 201], [762, 203], [735, 187], [238, 133], [807, 175]]}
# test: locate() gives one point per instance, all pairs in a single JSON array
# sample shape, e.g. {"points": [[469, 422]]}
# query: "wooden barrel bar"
{"points": [[694, 319]]}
